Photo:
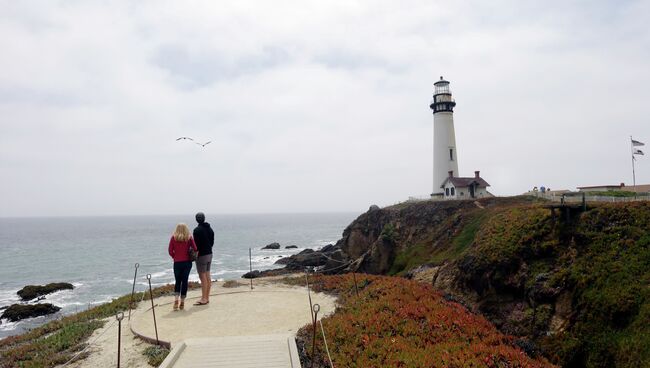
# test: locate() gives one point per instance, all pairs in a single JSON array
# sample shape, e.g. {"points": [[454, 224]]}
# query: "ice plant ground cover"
{"points": [[396, 322]]}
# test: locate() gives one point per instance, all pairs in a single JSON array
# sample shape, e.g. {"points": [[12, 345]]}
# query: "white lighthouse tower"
{"points": [[445, 155]]}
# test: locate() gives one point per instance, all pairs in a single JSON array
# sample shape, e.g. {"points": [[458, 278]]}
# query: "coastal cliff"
{"points": [[575, 289]]}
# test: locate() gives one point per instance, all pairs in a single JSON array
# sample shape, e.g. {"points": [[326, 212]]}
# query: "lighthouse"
{"points": [[445, 155]]}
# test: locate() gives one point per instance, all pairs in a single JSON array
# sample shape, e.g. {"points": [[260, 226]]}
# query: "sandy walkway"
{"points": [[270, 308]]}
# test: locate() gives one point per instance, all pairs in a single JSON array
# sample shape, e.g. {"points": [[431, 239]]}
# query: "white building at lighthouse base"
{"points": [[465, 188]]}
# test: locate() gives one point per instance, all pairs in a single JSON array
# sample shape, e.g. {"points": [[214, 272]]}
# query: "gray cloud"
{"points": [[311, 106]]}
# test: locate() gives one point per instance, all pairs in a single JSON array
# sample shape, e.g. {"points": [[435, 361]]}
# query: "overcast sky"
{"points": [[310, 105]]}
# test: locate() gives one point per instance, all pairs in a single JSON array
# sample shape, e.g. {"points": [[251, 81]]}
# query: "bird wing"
{"points": [[178, 139], [208, 142]]}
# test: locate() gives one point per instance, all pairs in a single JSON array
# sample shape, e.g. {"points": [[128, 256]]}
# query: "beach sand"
{"points": [[271, 307]]}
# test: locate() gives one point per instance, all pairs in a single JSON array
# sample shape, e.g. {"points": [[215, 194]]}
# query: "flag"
{"points": [[637, 143], [638, 152]]}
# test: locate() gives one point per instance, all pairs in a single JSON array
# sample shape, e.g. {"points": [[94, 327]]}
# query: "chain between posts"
{"points": [[153, 309], [325, 341]]}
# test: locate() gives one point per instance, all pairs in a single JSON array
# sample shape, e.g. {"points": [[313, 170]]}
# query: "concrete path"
{"points": [[237, 321]]}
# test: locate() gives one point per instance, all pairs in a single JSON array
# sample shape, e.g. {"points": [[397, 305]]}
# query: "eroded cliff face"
{"points": [[376, 237], [546, 279]]}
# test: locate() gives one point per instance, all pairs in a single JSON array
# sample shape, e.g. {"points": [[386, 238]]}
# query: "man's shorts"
{"points": [[203, 263]]}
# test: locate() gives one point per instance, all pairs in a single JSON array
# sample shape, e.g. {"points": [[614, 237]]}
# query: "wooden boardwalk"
{"points": [[269, 351]]}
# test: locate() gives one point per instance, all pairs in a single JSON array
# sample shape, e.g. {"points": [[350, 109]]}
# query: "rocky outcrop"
{"points": [[251, 275], [272, 246], [306, 258], [291, 247], [30, 292], [544, 278], [17, 312]]}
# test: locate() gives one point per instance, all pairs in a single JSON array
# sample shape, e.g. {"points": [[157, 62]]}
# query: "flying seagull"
{"points": [[191, 139]]}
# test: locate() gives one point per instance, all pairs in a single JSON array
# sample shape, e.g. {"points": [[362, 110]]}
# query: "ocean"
{"points": [[98, 254]]}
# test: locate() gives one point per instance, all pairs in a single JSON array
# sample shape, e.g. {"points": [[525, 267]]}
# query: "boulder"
{"points": [[306, 258], [291, 247], [17, 312], [30, 292], [251, 275], [272, 246]]}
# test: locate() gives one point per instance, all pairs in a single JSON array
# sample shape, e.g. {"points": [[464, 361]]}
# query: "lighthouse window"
{"points": [[447, 192], [452, 191], [451, 154]]}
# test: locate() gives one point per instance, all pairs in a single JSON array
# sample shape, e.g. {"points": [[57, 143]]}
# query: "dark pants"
{"points": [[182, 274]]}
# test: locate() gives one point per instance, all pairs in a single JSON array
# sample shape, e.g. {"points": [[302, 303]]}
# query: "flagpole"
{"points": [[633, 173]]}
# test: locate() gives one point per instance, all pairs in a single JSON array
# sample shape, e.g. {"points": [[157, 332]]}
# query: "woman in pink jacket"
{"points": [[179, 250]]}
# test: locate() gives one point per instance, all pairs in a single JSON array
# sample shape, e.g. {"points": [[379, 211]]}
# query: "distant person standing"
{"points": [[204, 238], [179, 249]]}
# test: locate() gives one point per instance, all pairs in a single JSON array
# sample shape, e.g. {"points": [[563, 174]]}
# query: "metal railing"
{"points": [[576, 197]]}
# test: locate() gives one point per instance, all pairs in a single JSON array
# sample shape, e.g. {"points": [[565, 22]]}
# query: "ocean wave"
{"points": [[8, 297], [7, 325], [323, 243], [161, 274], [223, 272]]}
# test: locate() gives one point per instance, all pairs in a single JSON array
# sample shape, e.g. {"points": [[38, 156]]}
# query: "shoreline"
{"points": [[99, 348]]}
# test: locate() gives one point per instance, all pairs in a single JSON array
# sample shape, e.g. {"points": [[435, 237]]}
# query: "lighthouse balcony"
{"points": [[442, 105], [442, 98]]}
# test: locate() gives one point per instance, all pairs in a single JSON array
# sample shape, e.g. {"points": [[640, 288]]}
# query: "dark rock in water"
{"points": [[251, 275], [306, 258], [283, 261], [17, 312], [30, 292], [272, 246], [291, 247], [266, 257]]}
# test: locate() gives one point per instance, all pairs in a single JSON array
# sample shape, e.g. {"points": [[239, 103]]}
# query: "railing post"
{"points": [[313, 340], [133, 289], [309, 295], [354, 276], [250, 264], [153, 309], [119, 316]]}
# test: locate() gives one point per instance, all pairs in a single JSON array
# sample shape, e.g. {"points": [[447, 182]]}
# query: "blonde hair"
{"points": [[182, 232]]}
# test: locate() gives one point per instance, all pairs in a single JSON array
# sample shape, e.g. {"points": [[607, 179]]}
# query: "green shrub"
{"points": [[155, 355]]}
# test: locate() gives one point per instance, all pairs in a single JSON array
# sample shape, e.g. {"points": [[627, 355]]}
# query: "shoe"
{"points": [[201, 303], [175, 305], [182, 305]]}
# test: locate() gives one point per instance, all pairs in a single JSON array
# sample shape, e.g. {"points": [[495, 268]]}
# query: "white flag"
{"points": [[638, 152], [637, 143]]}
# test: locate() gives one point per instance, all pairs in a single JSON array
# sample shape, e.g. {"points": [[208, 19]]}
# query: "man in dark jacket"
{"points": [[204, 239]]}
